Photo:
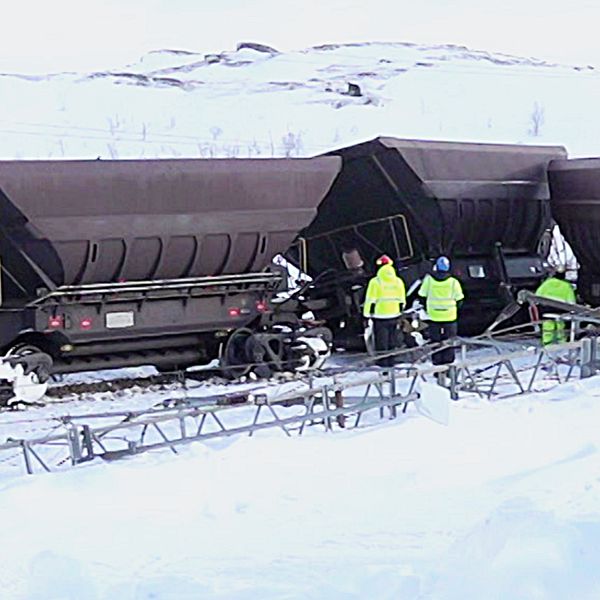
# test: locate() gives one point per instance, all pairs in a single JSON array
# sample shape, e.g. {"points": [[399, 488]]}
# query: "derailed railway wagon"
{"points": [[575, 201], [163, 262], [486, 206]]}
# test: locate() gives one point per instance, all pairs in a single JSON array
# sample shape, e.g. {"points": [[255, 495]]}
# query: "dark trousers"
{"points": [[438, 332], [386, 339]]}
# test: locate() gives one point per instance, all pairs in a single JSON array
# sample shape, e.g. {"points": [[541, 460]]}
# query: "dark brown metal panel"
{"points": [[214, 254], [488, 193], [575, 181], [476, 163], [183, 246], [484, 205], [457, 198], [97, 221], [575, 201]]}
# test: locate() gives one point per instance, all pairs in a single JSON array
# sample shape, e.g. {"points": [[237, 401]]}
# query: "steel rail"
{"points": [[329, 400]]}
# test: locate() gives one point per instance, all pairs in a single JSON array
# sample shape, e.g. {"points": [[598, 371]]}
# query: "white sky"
{"points": [[43, 35]]}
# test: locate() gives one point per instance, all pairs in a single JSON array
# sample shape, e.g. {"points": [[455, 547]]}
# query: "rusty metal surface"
{"points": [[461, 198], [417, 199], [575, 201], [475, 164], [78, 222]]}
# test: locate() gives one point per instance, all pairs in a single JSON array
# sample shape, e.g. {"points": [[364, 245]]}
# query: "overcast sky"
{"points": [[50, 35]]}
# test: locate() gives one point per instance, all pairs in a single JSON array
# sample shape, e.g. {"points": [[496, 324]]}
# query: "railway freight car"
{"points": [[163, 262], [484, 205], [575, 201]]}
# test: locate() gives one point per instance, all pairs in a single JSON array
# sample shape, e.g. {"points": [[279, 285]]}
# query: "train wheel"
{"points": [[6, 393], [233, 359], [42, 373], [545, 244], [312, 350], [23, 349], [30, 386], [258, 356]]}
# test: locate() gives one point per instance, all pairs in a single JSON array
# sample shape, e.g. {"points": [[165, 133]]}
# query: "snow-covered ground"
{"points": [[250, 102], [502, 503]]}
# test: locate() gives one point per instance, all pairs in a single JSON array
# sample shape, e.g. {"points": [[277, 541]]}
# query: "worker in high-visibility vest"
{"points": [[555, 287], [384, 302], [444, 295]]}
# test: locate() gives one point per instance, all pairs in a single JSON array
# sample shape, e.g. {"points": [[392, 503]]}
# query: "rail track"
{"points": [[71, 387], [172, 411]]}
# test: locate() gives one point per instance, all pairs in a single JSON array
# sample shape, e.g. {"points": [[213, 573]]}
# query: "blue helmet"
{"points": [[442, 264]]}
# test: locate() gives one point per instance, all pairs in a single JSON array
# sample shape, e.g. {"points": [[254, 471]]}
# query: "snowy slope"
{"points": [[502, 504], [260, 102]]}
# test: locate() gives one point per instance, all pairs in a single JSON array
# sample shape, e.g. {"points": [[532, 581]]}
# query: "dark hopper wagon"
{"points": [[575, 188], [116, 263], [168, 262], [486, 206]]}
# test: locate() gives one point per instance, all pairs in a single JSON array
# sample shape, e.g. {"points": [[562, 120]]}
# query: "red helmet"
{"points": [[384, 260]]}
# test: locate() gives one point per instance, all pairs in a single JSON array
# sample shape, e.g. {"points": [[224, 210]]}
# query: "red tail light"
{"points": [[85, 323], [234, 312], [55, 322], [262, 306]]}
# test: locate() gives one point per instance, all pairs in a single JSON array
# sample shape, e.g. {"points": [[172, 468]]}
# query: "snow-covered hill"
{"points": [[256, 101], [503, 503]]}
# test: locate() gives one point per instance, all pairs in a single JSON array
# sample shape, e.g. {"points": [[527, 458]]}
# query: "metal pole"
{"points": [[73, 442], [588, 351], [453, 382], [339, 403]]}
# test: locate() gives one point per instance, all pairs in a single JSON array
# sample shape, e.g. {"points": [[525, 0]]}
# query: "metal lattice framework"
{"points": [[344, 400]]}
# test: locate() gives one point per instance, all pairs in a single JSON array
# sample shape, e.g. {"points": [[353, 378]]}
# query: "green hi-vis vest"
{"points": [[442, 297], [557, 289], [386, 294]]}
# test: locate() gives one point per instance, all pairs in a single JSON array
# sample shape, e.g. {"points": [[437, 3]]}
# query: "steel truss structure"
{"points": [[334, 402]]}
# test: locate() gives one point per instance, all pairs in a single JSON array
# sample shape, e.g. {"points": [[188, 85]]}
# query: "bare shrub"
{"points": [[292, 144], [536, 119], [112, 150]]}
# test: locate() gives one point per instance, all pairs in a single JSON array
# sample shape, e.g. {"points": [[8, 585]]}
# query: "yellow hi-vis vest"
{"points": [[442, 297], [557, 289], [386, 294]]}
